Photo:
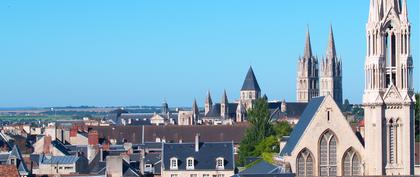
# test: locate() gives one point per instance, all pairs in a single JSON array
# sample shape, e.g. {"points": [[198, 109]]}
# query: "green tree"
{"points": [[282, 128], [267, 145], [260, 128]]}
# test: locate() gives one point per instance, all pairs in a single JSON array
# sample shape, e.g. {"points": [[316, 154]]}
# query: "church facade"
{"points": [[323, 142]]}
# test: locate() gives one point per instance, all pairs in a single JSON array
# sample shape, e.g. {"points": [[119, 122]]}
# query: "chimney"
{"points": [[101, 154], [142, 154], [93, 138], [73, 131], [47, 144], [197, 142]]}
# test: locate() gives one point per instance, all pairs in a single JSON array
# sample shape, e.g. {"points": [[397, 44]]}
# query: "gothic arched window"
{"points": [[328, 154], [351, 163], [305, 163]]}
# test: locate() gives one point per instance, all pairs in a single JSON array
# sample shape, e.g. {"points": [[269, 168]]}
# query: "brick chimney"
{"points": [[93, 137], [73, 131], [47, 144]]}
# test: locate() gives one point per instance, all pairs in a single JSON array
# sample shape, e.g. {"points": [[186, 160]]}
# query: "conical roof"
{"points": [[250, 82]]}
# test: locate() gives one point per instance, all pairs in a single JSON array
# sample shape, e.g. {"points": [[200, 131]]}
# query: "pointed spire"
{"points": [[331, 53], [195, 107], [250, 82], [308, 47], [404, 10], [208, 98], [224, 98]]}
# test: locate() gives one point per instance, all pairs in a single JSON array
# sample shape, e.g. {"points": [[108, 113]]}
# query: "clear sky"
{"points": [[96, 52]]}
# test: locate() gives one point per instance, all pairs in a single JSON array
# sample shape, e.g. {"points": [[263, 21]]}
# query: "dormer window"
{"points": [[220, 163], [190, 163], [174, 163]]}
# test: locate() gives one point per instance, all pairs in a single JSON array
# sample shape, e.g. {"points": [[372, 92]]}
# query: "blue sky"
{"points": [[139, 52]]}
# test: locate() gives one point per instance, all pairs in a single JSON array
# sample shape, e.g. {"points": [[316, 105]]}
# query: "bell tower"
{"points": [[389, 92]]}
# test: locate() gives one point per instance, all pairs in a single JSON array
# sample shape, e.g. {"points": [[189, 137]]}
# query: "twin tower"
{"points": [[311, 82]]}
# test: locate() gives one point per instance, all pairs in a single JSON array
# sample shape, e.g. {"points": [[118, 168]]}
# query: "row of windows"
{"points": [[328, 159], [190, 163]]}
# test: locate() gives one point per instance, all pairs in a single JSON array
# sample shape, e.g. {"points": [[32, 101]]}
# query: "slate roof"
{"points": [[265, 175], [205, 158], [300, 127], [4, 157], [293, 109], [152, 158], [215, 111], [21, 166], [151, 145], [262, 167], [250, 82], [61, 147], [58, 159], [128, 171]]}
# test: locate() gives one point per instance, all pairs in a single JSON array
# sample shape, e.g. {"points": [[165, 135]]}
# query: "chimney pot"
{"points": [[197, 142]]}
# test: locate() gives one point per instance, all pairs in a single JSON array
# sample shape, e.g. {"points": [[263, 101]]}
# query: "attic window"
{"points": [[220, 163], [190, 163], [174, 163]]}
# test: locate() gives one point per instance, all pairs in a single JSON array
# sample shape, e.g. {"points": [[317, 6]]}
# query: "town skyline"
{"points": [[143, 54]]}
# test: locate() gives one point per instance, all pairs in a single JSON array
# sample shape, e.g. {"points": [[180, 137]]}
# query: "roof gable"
{"points": [[300, 127]]}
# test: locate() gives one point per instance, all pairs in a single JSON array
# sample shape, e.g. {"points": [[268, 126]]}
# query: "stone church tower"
{"points": [[331, 75], [389, 95], [250, 90], [307, 77], [208, 105]]}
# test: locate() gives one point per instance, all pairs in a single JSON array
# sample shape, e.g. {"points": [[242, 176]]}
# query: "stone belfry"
{"points": [[330, 74], [307, 75], [389, 94], [250, 90]]}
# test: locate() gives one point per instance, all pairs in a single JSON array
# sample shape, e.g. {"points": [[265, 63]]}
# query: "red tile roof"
{"points": [[8, 171], [173, 133]]}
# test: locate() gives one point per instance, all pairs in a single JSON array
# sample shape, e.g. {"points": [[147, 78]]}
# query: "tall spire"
{"points": [[208, 98], [224, 98], [195, 107], [331, 53], [308, 48]]}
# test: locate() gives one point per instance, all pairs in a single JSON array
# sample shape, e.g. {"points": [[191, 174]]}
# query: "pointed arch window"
{"points": [[305, 163], [328, 154], [351, 163]]}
